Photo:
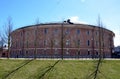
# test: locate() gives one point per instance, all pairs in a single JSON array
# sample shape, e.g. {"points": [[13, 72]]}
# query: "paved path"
{"points": [[60, 58]]}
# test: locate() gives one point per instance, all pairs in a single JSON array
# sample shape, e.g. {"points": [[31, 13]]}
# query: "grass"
{"points": [[54, 69]]}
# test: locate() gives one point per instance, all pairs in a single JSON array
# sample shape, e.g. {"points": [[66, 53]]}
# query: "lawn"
{"points": [[57, 69]]}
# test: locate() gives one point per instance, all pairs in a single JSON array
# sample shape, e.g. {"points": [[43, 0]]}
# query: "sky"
{"points": [[26, 12]]}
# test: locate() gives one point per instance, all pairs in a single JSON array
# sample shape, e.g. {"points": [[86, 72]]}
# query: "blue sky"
{"points": [[25, 12]]}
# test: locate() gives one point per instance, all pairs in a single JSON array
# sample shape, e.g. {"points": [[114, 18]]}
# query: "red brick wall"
{"points": [[23, 40]]}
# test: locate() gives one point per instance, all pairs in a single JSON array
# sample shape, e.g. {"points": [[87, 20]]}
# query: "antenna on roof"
{"points": [[68, 21]]}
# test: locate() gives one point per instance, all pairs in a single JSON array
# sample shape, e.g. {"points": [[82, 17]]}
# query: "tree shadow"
{"points": [[16, 69], [46, 70]]}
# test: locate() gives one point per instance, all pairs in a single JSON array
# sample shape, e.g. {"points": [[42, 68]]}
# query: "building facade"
{"points": [[56, 40], [116, 53]]}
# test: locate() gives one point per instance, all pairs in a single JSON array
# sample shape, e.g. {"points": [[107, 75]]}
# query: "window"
{"points": [[19, 44], [67, 42], [88, 32], [16, 44], [103, 44], [78, 42], [44, 51], [27, 43], [67, 31], [20, 52], [56, 42], [78, 31], [96, 43], [96, 33], [27, 33], [26, 52], [56, 51], [78, 52], [96, 53], [21, 33], [45, 31], [88, 43], [55, 31], [88, 52], [45, 42], [67, 51], [3, 54]]}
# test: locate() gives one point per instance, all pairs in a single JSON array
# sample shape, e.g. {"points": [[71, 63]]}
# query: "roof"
{"points": [[65, 23]]}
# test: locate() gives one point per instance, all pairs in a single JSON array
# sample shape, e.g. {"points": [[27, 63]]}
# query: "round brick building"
{"points": [[56, 40]]}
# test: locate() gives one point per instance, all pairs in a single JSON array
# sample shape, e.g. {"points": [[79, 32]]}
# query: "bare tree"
{"points": [[100, 48], [1, 44], [77, 44], [93, 40], [36, 38], [23, 42], [7, 34], [62, 40], [51, 45], [94, 75], [63, 35]]}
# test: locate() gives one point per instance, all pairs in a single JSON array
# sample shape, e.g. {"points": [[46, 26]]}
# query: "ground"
{"points": [[57, 69]]}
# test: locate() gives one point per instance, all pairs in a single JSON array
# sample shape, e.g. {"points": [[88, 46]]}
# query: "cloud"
{"points": [[117, 38], [75, 19]]}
